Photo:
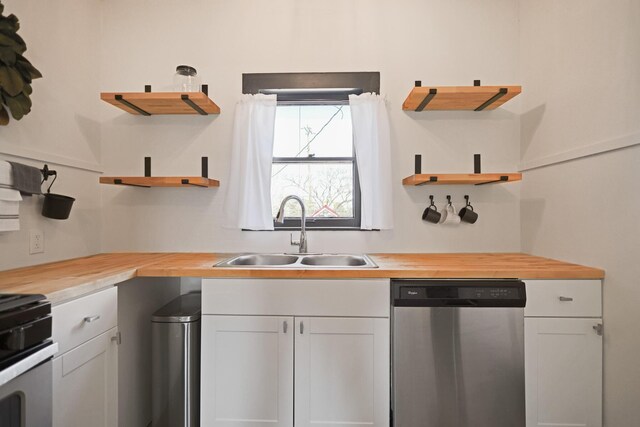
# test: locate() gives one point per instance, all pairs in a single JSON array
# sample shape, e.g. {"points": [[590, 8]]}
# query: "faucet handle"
{"points": [[294, 242]]}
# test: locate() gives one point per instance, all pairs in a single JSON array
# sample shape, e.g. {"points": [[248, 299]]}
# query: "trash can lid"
{"points": [[185, 308]]}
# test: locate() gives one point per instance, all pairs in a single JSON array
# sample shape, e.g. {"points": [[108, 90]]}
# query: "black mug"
{"points": [[468, 215], [431, 215]]}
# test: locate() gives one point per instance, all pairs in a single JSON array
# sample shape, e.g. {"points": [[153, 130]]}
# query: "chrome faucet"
{"points": [[302, 243]]}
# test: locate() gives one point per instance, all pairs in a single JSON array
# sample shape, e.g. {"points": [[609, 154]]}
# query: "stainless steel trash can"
{"points": [[175, 363]]}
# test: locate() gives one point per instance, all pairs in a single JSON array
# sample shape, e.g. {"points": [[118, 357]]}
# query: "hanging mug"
{"points": [[431, 213], [467, 214], [449, 215]]}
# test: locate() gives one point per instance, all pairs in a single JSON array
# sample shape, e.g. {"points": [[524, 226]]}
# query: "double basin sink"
{"points": [[299, 261]]}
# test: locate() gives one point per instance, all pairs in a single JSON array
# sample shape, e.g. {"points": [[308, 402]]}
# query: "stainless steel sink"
{"points": [[298, 261], [335, 260], [262, 260]]}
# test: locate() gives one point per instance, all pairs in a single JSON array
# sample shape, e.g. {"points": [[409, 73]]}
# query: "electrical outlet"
{"points": [[36, 242]]}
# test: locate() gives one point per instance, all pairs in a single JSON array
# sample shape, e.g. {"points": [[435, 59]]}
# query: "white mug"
{"points": [[449, 215]]}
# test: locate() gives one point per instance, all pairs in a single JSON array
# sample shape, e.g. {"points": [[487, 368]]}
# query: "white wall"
{"points": [[580, 66], [578, 61], [61, 130], [440, 42]]}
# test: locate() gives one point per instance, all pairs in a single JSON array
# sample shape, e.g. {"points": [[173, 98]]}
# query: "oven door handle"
{"points": [[27, 363]]}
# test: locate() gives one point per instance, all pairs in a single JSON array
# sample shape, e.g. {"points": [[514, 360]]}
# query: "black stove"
{"points": [[25, 326]]}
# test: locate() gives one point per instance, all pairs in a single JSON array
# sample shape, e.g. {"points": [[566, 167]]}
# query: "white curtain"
{"points": [[372, 141], [248, 198]]}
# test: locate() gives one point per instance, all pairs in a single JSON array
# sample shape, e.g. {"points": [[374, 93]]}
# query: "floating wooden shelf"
{"points": [[474, 98], [160, 181], [153, 103], [461, 178], [164, 181]]}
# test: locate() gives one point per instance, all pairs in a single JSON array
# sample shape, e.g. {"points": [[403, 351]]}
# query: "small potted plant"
{"points": [[16, 72]]}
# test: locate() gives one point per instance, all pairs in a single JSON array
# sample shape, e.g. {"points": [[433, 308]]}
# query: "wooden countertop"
{"points": [[65, 280]]}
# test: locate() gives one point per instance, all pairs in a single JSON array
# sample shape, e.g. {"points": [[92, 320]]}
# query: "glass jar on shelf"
{"points": [[186, 79]]}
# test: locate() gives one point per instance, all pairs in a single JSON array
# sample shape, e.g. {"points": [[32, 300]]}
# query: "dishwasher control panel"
{"points": [[460, 293]]}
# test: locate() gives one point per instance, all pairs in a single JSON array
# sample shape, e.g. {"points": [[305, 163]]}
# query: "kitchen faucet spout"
{"points": [[302, 243]]}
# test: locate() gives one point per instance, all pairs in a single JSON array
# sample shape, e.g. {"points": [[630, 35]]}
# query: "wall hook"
{"points": [[46, 173], [448, 199]]}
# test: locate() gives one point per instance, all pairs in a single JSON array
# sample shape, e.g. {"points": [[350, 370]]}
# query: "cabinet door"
{"points": [[563, 372], [342, 372], [85, 389], [247, 371]]}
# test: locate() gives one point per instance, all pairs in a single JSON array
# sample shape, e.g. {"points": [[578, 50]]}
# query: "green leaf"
{"points": [[9, 42], [28, 90], [20, 43], [18, 110], [28, 71], [9, 25], [4, 116], [7, 56], [11, 80], [25, 100]]}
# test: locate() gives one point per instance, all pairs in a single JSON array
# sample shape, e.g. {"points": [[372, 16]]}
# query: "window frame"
{"points": [[316, 89]]}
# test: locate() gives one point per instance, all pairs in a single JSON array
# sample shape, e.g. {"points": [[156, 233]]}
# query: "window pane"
{"points": [[320, 130], [325, 188]]}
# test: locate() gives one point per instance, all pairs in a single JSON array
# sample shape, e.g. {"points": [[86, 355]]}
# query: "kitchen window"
{"points": [[313, 154]]}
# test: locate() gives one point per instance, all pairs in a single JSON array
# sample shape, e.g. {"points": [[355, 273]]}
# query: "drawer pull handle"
{"points": [[284, 327], [117, 338], [565, 299], [301, 328], [90, 319], [598, 328]]}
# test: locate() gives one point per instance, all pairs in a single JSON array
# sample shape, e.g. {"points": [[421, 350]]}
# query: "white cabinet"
{"points": [[85, 371], [563, 354], [563, 360], [341, 372], [85, 384], [247, 371], [318, 349]]}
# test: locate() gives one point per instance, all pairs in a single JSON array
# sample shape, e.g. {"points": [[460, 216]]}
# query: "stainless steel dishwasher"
{"points": [[458, 353]]}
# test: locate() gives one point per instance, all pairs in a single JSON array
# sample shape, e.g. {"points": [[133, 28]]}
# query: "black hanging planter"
{"points": [[56, 206]]}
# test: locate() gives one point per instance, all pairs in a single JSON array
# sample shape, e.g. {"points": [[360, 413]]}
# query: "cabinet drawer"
{"points": [[564, 298], [297, 297], [80, 320]]}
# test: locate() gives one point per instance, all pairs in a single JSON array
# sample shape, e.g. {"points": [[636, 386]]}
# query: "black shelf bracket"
{"points": [[185, 181], [427, 99], [193, 105], [123, 101], [147, 88], [502, 92], [503, 178], [147, 167], [118, 181], [205, 89], [205, 167], [476, 164], [418, 164], [432, 179]]}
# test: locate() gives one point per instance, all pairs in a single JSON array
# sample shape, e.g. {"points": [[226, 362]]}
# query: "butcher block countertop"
{"points": [[65, 280]]}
